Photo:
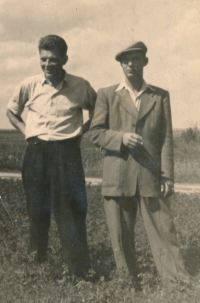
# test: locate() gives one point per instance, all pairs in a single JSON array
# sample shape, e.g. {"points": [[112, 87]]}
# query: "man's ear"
{"points": [[146, 60], [65, 59]]}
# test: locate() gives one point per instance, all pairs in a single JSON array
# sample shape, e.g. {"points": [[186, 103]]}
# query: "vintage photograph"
{"points": [[100, 151]]}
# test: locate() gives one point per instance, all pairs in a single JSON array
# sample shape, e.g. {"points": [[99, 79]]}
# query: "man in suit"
{"points": [[52, 172], [132, 125]]}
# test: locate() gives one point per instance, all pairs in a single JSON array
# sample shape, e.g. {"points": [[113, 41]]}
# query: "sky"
{"points": [[95, 30]]}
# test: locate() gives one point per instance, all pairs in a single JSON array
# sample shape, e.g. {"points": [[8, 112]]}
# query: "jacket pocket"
{"points": [[111, 171]]}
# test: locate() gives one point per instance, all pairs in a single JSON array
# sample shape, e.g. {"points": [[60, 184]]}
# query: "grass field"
{"points": [[24, 281], [187, 157]]}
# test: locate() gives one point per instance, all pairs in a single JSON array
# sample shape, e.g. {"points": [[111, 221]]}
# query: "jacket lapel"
{"points": [[147, 102], [126, 102]]}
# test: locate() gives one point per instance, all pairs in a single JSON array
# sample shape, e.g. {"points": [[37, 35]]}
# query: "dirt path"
{"points": [[179, 187]]}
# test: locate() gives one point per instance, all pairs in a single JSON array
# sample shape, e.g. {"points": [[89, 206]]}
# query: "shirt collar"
{"points": [[43, 79], [125, 85]]}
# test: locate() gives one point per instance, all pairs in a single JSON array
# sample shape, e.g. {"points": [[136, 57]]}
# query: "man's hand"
{"points": [[167, 187], [132, 140]]}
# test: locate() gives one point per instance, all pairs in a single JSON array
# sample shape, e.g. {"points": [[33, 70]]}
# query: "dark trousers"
{"points": [[53, 179]]}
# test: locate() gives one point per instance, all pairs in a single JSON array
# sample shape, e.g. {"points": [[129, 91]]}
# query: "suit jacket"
{"points": [[125, 169]]}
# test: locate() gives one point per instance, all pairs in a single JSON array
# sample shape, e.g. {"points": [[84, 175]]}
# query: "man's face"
{"points": [[51, 63], [133, 63]]}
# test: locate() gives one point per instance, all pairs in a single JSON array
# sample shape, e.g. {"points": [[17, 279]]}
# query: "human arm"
{"points": [[107, 127], [89, 105], [101, 133], [167, 157], [16, 105], [16, 121]]}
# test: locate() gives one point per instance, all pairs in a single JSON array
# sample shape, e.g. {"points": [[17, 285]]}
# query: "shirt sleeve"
{"points": [[100, 132], [89, 97], [167, 154], [19, 98]]}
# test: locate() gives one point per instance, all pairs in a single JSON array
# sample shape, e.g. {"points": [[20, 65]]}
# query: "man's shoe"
{"points": [[137, 286]]}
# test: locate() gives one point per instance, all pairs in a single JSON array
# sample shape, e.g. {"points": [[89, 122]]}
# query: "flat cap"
{"points": [[136, 46]]}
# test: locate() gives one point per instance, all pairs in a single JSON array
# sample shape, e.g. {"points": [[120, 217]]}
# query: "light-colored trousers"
{"points": [[158, 221]]}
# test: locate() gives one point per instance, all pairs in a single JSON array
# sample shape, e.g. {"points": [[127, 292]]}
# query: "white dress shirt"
{"points": [[54, 113], [135, 95]]}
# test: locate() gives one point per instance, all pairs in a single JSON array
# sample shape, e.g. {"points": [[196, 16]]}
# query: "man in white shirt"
{"points": [[53, 176]]}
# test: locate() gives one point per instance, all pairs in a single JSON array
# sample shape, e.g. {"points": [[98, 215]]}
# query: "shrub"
{"points": [[191, 134], [187, 157]]}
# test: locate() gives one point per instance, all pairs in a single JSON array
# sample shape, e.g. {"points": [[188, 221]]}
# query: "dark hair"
{"points": [[53, 43]]}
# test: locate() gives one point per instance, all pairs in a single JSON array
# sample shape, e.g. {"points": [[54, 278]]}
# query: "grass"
{"points": [[24, 281], [187, 159]]}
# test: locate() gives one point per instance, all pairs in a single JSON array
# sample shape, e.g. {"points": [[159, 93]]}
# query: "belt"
{"points": [[35, 140]]}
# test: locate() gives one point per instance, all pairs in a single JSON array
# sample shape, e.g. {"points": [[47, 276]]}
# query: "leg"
{"points": [[70, 217], [128, 218], [81, 259], [113, 216], [37, 196], [161, 232], [121, 214], [70, 205]]}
